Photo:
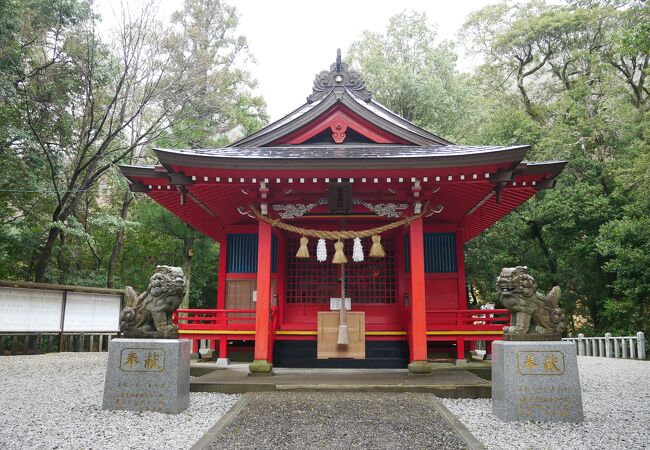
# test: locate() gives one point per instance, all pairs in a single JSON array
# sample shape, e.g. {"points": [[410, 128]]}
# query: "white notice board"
{"points": [[30, 310], [92, 312]]}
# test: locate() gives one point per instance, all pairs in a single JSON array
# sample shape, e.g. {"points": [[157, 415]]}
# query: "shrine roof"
{"points": [[341, 86], [342, 156], [342, 133]]}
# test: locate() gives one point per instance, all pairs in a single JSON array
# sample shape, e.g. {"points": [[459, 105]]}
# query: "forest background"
{"points": [[570, 79]]}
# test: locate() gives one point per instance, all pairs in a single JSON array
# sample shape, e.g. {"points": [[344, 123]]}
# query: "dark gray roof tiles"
{"points": [[342, 151]]}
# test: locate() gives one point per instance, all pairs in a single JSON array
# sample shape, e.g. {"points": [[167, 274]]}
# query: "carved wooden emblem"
{"points": [[338, 131]]}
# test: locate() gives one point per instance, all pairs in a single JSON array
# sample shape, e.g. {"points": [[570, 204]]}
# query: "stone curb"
{"points": [[459, 428], [208, 438]]}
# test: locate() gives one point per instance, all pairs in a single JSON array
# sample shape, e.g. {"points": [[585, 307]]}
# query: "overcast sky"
{"points": [[293, 40]]}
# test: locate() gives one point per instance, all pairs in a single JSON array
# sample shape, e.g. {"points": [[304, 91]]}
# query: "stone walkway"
{"points": [[338, 420]]}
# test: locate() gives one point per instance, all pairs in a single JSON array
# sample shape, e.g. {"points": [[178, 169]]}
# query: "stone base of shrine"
{"points": [[445, 380]]}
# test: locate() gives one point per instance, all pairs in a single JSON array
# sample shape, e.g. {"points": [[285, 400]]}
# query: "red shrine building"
{"points": [[286, 204]]}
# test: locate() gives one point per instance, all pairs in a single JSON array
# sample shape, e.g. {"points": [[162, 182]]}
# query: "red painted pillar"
{"points": [[418, 329], [261, 364], [460, 267], [221, 280], [223, 348], [460, 348]]}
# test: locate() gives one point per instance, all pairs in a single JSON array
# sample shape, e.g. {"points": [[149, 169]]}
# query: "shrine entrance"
{"points": [[370, 284]]}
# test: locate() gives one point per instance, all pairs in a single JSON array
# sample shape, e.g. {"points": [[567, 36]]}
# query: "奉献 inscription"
{"points": [[143, 359], [535, 362]]}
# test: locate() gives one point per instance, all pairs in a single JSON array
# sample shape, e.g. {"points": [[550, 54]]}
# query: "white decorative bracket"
{"points": [[244, 212], [289, 211], [436, 210], [394, 210]]}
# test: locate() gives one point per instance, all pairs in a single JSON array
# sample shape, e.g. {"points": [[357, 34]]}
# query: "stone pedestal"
{"points": [[223, 362], [148, 375], [536, 380], [419, 368]]}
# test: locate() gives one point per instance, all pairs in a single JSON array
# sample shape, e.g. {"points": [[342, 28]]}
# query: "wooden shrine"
{"points": [[342, 198]]}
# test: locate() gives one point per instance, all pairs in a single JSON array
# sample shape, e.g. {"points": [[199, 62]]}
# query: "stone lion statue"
{"points": [[151, 310], [531, 312]]}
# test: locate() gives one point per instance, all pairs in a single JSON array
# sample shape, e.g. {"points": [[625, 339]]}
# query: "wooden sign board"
{"points": [[25, 310], [92, 312], [328, 332]]}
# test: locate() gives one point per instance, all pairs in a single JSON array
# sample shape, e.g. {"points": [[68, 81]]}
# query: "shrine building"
{"points": [[342, 199]]}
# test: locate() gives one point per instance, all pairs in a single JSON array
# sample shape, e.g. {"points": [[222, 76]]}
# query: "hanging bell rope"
{"points": [[343, 338], [338, 235]]}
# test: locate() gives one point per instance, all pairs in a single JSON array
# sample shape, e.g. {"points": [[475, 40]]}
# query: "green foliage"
{"points": [[74, 104], [589, 235], [569, 80]]}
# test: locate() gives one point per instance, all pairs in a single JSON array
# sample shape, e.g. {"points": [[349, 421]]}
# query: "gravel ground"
{"points": [[616, 402], [338, 420], [54, 401]]}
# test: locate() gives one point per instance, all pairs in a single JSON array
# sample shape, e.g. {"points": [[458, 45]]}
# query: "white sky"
{"points": [[293, 40]]}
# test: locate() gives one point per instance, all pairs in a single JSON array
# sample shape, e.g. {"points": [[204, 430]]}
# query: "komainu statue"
{"points": [[151, 310], [531, 312]]}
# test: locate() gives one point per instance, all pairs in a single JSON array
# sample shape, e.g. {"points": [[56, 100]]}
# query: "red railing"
{"points": [[214, 319], [467, 320], [244, 319]]}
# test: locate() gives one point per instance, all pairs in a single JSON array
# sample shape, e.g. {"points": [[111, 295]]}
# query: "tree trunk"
{"points": [[551, 262], [119, 240], [188, 243], [528, 106], [45, 254], [60, 214], [60, 258]]}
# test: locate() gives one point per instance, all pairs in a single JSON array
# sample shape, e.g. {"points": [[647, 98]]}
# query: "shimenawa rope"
{"points": [[337, 235]]}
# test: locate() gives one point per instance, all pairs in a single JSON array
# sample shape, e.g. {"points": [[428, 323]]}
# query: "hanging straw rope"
{"points": [[337, 235]]}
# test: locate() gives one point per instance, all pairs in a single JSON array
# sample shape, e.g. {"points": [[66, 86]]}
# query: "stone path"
{"points": [[340, 420]]}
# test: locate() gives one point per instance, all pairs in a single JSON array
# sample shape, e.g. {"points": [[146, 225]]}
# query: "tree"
{"points": [[203, 38], [413, 75], [78, 102], [581, 111]]}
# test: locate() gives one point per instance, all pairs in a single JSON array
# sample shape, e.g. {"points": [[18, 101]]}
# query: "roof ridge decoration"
{"points": [[339, 76]]}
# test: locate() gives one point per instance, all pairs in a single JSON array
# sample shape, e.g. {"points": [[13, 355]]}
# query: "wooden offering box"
{"points": [[328, 331]]}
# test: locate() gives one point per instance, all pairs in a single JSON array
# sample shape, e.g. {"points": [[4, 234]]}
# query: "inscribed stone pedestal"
{"points": [[148, 375], [536, 380]]}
